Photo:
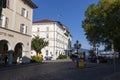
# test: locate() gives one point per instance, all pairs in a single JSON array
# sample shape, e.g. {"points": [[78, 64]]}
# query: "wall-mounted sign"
{"points": [[6, 34]]}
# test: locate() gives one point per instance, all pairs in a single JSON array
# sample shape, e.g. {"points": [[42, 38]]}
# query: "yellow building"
{"points": [[15, 31]]}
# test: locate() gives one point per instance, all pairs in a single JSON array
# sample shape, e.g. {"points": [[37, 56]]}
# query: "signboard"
{"points": [[6, 34]]}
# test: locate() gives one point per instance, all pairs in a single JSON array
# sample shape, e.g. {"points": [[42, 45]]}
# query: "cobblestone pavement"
{"points": [[59, 70]]}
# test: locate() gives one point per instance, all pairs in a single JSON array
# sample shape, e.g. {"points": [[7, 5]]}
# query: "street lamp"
{"points": [[96, 52], [112, 48], [77, 46], [79, 62]]}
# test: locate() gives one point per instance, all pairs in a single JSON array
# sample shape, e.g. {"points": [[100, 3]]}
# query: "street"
{"points": [[58, 70]]}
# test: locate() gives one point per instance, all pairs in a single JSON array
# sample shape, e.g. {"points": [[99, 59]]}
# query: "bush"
{"points": [[37, 59], [61, 56]]}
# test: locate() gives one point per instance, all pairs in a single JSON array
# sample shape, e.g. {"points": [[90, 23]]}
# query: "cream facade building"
{"points": [[56, 34], [15, 31]]}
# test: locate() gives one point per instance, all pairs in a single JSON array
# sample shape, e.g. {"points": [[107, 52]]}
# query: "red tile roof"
{"points": [[43, 21], [46, 20]]}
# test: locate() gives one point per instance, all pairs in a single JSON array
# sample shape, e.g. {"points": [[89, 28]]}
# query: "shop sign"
{"points": [[6, 34]]}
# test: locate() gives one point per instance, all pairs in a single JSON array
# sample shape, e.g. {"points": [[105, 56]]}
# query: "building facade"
{"points": [[57, 35], [15, 31]]}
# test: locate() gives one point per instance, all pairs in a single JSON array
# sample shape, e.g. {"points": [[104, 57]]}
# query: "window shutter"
{"points": [[3, 21], [22, 28], [7, 3], [24, 31]]}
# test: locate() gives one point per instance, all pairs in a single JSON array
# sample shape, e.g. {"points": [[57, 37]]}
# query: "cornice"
{"points": [[30, 3]]}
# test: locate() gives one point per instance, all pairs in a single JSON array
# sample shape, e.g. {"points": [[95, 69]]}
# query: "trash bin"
{"points": [[80, 62]]}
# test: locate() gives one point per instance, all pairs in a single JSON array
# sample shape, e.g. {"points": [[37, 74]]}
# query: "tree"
{"points": [[91, 53], [38, 44], [101, 23]]}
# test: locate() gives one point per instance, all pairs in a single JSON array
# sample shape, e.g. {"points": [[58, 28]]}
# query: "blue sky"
{"points": [[68, 12]]}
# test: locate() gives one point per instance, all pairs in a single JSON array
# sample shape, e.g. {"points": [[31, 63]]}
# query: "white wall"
{"points": [[58, 42]]}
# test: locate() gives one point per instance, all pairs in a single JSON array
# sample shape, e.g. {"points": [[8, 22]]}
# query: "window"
{"points": [[38, 29], [47, 29], [4, 21], [1, 20], [7, 3], [51, 54], [56, 53], [24, 13], [47, 52], [47, 35], [23, 28]]}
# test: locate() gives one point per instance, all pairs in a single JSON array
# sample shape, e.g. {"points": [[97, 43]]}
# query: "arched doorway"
{"points": [[3, 51], [17, 56]]}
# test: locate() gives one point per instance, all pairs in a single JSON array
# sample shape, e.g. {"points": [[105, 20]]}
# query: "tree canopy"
{"points": [[101, 23], [38, 44]]}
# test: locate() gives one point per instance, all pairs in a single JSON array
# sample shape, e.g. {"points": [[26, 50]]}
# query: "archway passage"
{"points": [[3, 51], [17, 56]]}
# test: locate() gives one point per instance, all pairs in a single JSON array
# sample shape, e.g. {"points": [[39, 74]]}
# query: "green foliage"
{"points": [[101, 24], [38, 44], [37, 59], [91, 53], [61, 56]]}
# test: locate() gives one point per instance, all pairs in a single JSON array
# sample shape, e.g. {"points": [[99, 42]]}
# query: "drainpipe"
{"points": [[14, 14]]}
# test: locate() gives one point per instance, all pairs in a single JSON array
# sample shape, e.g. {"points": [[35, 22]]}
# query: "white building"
{"points": [[56, 34], [109, 54]]}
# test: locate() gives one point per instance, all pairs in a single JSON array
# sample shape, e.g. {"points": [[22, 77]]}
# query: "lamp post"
{"points": [[113, 57], [77, 46], [113, 51], [96, 51]]}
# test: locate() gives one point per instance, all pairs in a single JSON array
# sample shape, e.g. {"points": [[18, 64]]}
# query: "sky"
{"points": [[69, 12]]}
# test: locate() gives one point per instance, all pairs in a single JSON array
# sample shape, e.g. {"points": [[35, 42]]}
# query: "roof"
{"points": [[43, 21], [66, 30], [30, 3], [48, 21]]}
